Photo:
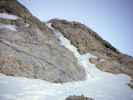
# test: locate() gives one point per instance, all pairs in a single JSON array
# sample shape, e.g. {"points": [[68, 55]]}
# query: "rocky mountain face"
{"points": [[108, 59], [29, 48]]}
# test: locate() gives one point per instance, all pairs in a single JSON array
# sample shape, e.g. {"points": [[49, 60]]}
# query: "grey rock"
{"points": [[86, 40], [78, 98], [33, 51]]}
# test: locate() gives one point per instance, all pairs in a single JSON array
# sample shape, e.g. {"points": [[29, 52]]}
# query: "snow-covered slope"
{"points": [[40, 61], [98, 85]]}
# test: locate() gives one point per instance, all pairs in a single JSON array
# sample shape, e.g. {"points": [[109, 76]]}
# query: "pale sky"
{"points": [[111, 19]]}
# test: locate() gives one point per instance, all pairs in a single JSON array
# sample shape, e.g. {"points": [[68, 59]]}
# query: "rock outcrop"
{"points": [[28, 48], [78, 98], [86, 40]]}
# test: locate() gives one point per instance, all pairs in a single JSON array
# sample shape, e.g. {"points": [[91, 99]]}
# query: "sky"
{"points": [[111, 19]]}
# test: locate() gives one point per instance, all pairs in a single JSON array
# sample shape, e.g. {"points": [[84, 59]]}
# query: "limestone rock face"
{"points": [[86, 40], [28, 48]]}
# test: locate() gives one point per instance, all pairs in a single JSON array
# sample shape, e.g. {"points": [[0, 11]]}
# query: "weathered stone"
{"points": [[131, 84], [86, 40], [33, 51], [78, 98]]}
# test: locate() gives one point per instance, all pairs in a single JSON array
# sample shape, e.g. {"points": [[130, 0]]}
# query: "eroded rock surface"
{"points": [[28, 48], [86, 40], [78, 98]]}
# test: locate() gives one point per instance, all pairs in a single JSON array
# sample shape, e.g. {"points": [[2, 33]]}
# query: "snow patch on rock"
{"points": [[8, 26], [8, 16]]}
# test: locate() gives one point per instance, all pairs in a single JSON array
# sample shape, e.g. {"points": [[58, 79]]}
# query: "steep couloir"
{"points": [[86, 40]]}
